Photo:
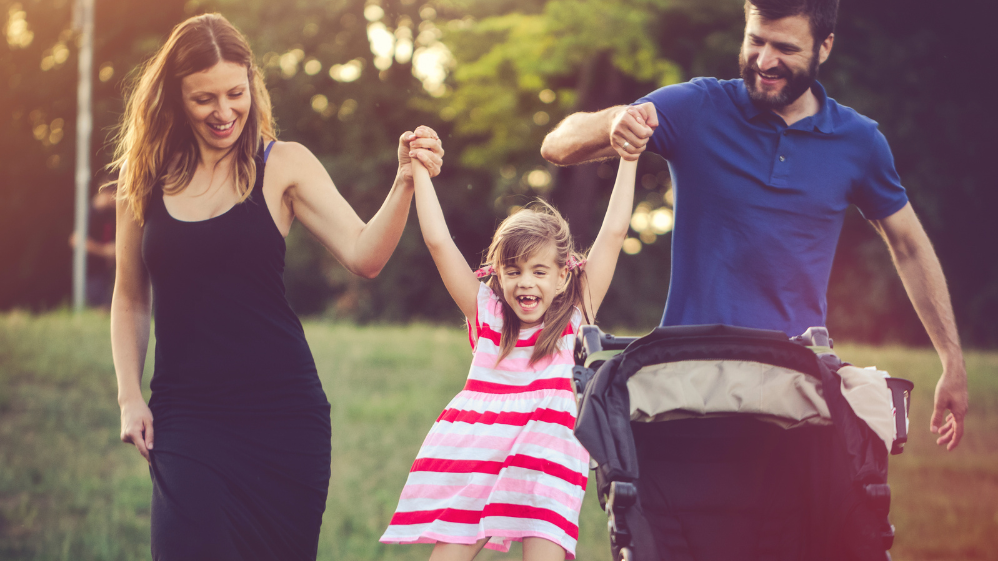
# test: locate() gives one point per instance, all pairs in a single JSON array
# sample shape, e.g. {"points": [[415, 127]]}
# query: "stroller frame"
{"points": [[599, 359]]}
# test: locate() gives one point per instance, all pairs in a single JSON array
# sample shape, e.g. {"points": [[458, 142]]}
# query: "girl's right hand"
{"points": [[423, 144], [136, 426], [631, 130]]}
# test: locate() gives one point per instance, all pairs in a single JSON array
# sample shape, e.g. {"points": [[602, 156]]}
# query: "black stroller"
{"points": [[724, 443]]}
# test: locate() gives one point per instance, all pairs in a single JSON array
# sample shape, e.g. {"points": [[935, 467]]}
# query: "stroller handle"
{"points": [[591, 340]]}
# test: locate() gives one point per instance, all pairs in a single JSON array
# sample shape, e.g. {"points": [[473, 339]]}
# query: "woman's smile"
{"points": [[217, 103], [223, 130]]}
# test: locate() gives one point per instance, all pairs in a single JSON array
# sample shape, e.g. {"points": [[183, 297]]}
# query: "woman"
{"points": [[240, 458]]}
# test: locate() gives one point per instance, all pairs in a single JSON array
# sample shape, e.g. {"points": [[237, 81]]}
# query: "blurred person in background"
{"points": [[237, 430], [764, 168], [100, 246]]}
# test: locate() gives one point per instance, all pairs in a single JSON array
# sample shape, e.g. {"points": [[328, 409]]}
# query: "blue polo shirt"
{"points": [[759, 205]]}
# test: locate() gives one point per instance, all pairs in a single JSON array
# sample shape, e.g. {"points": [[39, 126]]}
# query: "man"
{"points": [[763, 169]]}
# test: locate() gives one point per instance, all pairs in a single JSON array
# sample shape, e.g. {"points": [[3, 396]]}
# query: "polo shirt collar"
{"points": [[822, 120]]}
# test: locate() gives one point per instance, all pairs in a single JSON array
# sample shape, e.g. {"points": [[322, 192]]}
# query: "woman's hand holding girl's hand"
{"points": [[424, 145], [136, 426]]}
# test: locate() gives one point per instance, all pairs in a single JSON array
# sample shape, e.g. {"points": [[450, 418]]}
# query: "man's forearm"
{"points": [[922, 276], [581, 137], [923, 279]]}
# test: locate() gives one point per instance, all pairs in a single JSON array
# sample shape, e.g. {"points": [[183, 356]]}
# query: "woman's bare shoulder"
{"points": [[288, 155], [291, 164]]}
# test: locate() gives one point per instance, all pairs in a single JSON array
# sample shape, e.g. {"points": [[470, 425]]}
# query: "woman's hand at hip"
{"points": [[136, 426]]}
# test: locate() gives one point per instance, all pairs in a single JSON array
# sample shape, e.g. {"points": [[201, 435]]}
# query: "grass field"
{"points": [[70, 490]]}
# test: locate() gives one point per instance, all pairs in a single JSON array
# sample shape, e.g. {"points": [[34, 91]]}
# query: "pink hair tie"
{"points": [[487, 271], [574, 263]]}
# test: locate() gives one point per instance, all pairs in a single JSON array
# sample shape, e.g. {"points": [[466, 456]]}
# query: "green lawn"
{"points": [[70, 490]]}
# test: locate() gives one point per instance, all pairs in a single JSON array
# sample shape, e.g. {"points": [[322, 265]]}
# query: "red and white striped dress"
{"points": [[501, 461]]}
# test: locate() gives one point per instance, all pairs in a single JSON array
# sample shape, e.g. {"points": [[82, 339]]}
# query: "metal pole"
{"points": [[83, 23]]}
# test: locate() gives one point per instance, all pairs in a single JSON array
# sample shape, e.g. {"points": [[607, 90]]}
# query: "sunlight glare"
{"points": [[539, 179], [632, 246], [430, 65], [373, 12], [347, 110], [661, 220], [319, 103], [313, 67], [289, 62], [403, 50], [382, 44], [106, 72], [640, 220], [346, 72], [19, 34]]}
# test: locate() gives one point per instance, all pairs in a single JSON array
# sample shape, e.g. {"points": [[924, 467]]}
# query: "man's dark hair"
{"points": [[820, 14]]}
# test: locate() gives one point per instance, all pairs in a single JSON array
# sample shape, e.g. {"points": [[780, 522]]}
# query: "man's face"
{"points": [[779, 60]]}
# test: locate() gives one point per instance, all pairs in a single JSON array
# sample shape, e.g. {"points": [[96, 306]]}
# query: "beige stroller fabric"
{"points": [[867, 393], [788, 398]]}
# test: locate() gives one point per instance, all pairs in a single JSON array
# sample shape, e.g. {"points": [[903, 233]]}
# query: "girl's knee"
{"points": [[457, 551], [542, 549]]}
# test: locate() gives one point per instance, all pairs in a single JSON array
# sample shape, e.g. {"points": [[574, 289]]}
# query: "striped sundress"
{"points": [[501, 461]]}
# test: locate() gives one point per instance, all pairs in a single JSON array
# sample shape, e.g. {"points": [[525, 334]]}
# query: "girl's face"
{"points": [[217, 104], [530, 284]]}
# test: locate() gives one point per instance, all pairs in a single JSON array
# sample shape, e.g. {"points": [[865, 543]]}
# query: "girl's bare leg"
{"points": [[540, 549], [457, 551]]}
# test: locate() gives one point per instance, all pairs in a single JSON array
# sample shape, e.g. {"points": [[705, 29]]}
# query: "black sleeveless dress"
{"points": [[240, 465]]}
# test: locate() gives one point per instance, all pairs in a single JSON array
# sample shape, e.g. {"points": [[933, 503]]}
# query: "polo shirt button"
{"points": [[782, 158]]}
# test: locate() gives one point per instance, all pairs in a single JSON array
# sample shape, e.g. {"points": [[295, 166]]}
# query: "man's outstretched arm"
{"points": [[613, 132], [923, 279]]}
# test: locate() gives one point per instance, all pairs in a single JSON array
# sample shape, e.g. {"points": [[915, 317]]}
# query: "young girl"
{"points": [[501, 463]]}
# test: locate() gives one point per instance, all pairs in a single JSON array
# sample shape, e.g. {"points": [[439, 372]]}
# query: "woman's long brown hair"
{"points": [[520, 236], [154, 138]]}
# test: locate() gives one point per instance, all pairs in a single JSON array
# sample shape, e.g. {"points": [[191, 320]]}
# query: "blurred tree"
{"points": [[347, 79], [349, 76], [38, 96], [921, 71]]}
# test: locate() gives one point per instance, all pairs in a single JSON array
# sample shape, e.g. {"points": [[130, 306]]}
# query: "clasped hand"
{"points": [[424, 145], [631, 129]]}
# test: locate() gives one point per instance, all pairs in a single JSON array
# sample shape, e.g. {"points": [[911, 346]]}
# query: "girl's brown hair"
{"points": [[155, 138], [519, 236]]}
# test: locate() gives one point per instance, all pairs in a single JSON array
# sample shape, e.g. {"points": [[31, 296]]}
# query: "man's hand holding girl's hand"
{"points": [[631, 129], [424, 145]]}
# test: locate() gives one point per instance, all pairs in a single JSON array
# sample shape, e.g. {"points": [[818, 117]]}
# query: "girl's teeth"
{"points": [[222, 127]]}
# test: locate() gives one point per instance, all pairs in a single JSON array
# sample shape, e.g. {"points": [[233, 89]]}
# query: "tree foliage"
{"points": [[347, 77]]}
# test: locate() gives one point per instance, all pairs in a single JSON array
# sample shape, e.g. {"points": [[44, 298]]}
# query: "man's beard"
{"points": [[796, 83]]}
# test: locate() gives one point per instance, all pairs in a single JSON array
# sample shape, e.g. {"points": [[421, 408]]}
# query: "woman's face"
{"points": [[217, 104]]}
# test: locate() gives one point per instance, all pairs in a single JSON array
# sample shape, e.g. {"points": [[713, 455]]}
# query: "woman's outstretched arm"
{"points": [[460, 280], [131, 312], [311, 196]]}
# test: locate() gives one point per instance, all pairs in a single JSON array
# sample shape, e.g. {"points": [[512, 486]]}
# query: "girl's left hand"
{"points": [[424, 145]]}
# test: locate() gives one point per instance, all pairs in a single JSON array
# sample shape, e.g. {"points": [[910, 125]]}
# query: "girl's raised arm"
{"points": [[602, 259], [460, 280]]}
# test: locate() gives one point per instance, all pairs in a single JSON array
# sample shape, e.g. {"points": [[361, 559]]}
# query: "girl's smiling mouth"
{"points": [[528, 303]]}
